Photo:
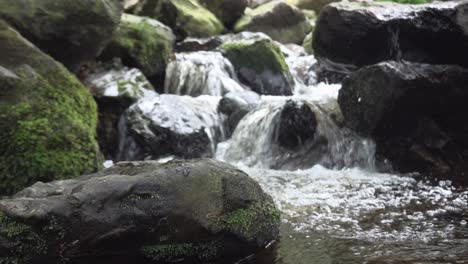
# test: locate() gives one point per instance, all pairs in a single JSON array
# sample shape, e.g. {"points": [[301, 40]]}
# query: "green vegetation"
{"points": [[170, 252]]}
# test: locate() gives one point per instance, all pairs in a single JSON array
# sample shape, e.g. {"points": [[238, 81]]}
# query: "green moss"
{"points": [[170, 252], [252, 221], [47, 119], [260, 56], [196, 20], [308, 43]]}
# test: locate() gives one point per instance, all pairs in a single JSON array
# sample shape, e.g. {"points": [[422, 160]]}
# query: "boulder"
{"points": [[235, 105], [47, 117], [166, 125], [316, 5], [260, 64], [198, 73], [256, 3], [142, 43], [71, 31], [185, 17], [183, 211], [415, 112], [279, 20], [350, 35], [228, 11], [198, 44], [115, 89]]}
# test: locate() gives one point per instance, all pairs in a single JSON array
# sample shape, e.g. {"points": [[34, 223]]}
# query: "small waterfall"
{"points": [[253, 142], [199, 73]]}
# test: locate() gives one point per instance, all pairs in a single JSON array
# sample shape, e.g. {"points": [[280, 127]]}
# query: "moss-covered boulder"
{"points": [[228, 11], [71, 31], [140, 212], [142, 43], [185, 17], [47, 118], [279, 20], [307, 44], [260, 64]]}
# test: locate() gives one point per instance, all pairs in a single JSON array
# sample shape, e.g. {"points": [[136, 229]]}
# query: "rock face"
{"points": [[190, 211], [229, 11], [185, 17], [279, 20], [115, 89], [168, 125], [235, 105], [415, 112], [200, 73], [142, 43], [260, 64], [47, 120], [352, 35], [71, 31]]}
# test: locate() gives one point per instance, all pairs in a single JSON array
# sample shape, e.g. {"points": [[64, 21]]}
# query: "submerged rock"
{"points": [[352, 35], [69, 30], [190, 211], [279, 20], [185, 17], [47, 117], [260, 64], [229, 11], [415, 112], [201, 73], [115, 89], [142, 43], [235, 105], [168, 125]]}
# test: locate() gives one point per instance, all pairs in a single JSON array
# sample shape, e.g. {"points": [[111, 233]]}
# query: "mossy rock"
{"points": [[142, 43], [71, 31], [193, 211], [282, 22], [228, 11], [185, 17], [47, 117], [307, 44], [261, 65], [315, 5]]}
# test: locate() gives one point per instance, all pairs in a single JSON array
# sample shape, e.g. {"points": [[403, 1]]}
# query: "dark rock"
{"points": [[47, 117], [415, 112], [71, 31], [235, 106], [297, 125], [316, 5], [190, 211], [352, 35], [228, 11], [167, 125], [194, 44]]}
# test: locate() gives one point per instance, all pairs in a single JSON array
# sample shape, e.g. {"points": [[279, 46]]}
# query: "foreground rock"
{"points": [[167, 125], [279, 20], [115, 89], [199, 73], [185, 17], [47, 118], [260, 64], [415, 112], [71, 31], [229, 11], [352, 35], [142, 43], [190, 211]]}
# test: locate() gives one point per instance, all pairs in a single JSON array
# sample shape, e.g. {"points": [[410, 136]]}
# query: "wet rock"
{"points": [[297, 125], [415, 112], [203, 44], [235, 105], [190, 211], [142, 43], [229, 11], [256, 3], [352, 35], [71, 31], [47, 117], [279, 20], [200, 73], [167, 125], [316, 5], [260, 64], [187, 18], [307, 44], [115, 89]]}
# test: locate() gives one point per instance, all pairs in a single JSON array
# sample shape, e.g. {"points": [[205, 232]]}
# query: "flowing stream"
{"points": [[337, 207]]}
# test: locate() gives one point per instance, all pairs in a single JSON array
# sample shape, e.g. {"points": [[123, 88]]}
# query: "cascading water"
{"points": [[337, 208]]}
